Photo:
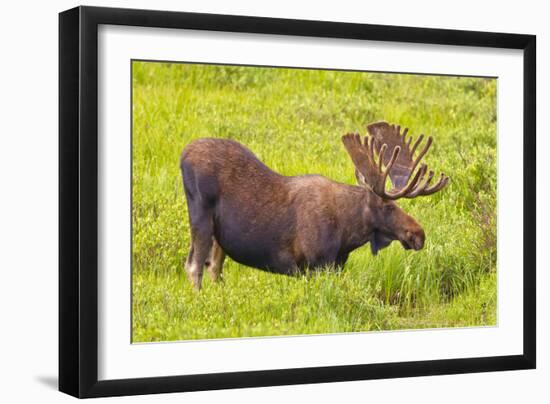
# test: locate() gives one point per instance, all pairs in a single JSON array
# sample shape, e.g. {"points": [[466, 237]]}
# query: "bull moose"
{"points": [[286, 224]]}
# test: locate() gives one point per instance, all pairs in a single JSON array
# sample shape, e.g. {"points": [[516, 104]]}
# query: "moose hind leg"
{"points": [[214, 262], [195, 263], [202, 236], [200, 193], [190, 255]]}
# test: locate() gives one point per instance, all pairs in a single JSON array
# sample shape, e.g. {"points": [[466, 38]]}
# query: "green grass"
{"points": [[292, 120]]}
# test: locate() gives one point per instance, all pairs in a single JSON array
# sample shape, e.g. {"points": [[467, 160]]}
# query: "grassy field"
{"points": [[292, 120]]}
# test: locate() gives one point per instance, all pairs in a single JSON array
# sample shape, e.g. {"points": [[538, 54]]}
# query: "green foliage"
{"points": [[292, 119]]}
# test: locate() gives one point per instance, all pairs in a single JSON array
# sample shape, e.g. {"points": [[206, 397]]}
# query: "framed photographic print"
{"points": [[251, 201]]}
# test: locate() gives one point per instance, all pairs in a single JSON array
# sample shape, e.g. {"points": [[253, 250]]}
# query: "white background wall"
{"points": [[28, 199]]}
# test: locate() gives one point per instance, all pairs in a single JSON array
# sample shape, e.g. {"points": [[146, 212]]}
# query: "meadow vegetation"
{"points": [[292, 119]]}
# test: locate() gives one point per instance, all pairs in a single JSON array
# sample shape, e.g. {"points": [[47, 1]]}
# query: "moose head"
{"points": [[400, 165], [239, 207]]}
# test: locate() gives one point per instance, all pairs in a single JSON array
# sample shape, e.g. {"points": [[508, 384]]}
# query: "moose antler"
{"points": [[400, 166]]}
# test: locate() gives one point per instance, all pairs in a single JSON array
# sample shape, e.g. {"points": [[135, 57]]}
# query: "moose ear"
{"points": [[360, 179]]}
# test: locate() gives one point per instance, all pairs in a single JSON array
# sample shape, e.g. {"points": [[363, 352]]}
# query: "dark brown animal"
{"points": [[239, 207]]}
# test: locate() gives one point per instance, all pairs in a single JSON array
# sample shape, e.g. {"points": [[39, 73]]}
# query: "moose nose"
{"points": [[419, 243], [415, 240]]}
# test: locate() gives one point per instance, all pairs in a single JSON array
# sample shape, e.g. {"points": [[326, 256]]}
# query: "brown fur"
{"points": [[240, 207]]}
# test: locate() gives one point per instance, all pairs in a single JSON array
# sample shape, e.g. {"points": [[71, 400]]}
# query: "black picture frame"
{"points": [[78, 200]]}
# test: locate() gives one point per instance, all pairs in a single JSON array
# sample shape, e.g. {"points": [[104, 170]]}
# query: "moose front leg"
{"points": [[214, 262]]}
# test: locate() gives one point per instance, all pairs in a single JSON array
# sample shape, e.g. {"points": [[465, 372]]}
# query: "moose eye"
{"points": [[388, 208]]}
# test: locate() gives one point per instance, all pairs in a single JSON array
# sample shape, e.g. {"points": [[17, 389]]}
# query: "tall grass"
{"points": [[292, 119]]}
